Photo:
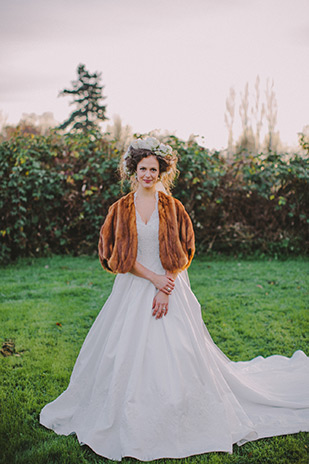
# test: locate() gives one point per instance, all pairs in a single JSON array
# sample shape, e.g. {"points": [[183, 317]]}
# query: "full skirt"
{"points": [[150, 388]]}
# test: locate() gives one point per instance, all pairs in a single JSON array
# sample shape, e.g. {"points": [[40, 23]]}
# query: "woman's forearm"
{"points": [[141, 271], [162, 282]]}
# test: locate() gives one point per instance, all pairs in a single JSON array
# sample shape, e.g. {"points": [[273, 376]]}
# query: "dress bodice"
{"points": [[148, 240]]}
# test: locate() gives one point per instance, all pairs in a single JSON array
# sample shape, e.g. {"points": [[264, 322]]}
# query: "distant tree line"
{"points": [[258, 117]]}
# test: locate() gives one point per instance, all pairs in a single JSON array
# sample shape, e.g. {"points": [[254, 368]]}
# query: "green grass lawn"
{"points": [[47, 305]]}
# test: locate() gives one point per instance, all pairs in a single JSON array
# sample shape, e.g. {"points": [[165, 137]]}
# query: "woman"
{"points": [[149, 382]]}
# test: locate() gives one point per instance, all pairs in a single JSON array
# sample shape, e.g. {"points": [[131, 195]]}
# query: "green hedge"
{"points": [[255, 203], [55, 192]]}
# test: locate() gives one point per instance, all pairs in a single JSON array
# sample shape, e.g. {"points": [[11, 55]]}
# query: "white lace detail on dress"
{"points": [[148, 240]]}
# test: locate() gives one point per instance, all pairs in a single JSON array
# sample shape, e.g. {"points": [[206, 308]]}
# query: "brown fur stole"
{"points": [[118, 235]]}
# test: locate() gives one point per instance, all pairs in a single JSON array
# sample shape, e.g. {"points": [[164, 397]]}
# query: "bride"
{"points": [[149, 382]]}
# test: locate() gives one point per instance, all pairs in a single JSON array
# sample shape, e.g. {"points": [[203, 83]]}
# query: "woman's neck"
{"points": [[146, 193]]}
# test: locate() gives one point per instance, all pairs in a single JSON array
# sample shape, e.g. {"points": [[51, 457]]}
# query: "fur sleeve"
{"points": [[107, 238], [118, 237], [186, 232], [176, 235]]}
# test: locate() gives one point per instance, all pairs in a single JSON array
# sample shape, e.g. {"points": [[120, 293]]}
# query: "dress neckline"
{"points": [[152, 214]]}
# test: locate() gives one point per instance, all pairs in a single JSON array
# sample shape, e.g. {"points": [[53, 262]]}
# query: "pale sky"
{"points": [[166, 64]]}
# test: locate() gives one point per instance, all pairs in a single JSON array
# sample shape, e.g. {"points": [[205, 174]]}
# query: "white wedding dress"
{"points": [[151, 388]]}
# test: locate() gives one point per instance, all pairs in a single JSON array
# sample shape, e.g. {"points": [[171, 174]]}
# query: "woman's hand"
{"points": [[160, 305], [164, 283]]}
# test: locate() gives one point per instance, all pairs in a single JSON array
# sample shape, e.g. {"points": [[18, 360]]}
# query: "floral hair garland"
{"points": [[152, 144]]}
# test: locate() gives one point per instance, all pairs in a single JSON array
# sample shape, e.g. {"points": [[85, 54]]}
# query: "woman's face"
{"points": [[148, 171]]}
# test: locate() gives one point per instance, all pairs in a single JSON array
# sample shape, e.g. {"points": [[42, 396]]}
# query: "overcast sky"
{"points": [[166, 64]]}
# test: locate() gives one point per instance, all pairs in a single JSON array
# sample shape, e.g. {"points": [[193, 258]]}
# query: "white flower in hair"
{"points": [[152, 144], [164, 150]]}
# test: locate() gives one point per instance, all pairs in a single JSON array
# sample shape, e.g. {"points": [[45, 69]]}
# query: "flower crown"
{"points": [[149, 143]]}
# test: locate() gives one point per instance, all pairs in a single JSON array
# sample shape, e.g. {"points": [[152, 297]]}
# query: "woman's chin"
{"points": [[148, 184]]}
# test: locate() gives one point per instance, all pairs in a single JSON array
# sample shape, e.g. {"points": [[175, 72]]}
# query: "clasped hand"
{"points": [[160, 305], [164, 283]]}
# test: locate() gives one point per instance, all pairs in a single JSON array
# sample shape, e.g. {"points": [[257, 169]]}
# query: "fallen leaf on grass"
{"points": [[8, 348]]}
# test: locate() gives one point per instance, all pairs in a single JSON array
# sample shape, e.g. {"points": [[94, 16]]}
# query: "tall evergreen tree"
{"points": [[88, 99]]}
